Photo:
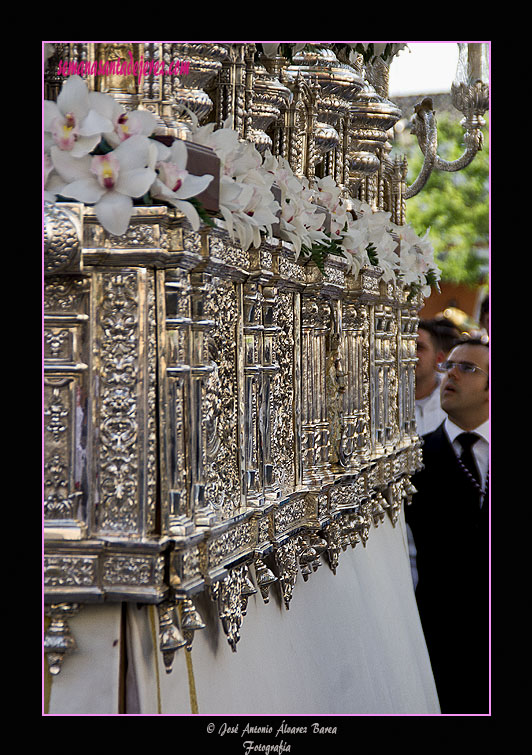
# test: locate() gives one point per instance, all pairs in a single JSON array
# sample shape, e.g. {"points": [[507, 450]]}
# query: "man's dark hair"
{"points": [[443, 335], [474, 341]]}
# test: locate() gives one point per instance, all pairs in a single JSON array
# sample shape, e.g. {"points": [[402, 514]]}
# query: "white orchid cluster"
{"points": [[363, 237], [256, 192], [247, 203], [97, 153], [301, 218], [372, 238], [247, 200]]}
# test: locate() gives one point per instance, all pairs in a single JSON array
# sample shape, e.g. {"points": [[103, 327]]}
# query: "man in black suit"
{"points": [[449, 521]]}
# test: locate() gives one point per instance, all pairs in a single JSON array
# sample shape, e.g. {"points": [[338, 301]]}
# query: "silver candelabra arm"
{"points": [[470, 95], [424, 127]]}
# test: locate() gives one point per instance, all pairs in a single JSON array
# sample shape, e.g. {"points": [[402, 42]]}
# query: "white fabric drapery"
{"points": [[351, 643]]}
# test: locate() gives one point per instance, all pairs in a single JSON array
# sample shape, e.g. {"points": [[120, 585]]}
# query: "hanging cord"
{"points": [[191, 680], [154, 635]]}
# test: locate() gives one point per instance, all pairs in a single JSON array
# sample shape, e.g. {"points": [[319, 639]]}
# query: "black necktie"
{"points": [[467, 441]]}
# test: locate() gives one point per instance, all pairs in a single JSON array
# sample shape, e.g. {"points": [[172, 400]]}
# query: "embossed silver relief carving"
{"points": [[259, 338], [221, 407], [119, 414], [65, 402], [62, 238], [308, 353], [285, 415]]}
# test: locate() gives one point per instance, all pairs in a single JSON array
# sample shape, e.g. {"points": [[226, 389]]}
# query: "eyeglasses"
{"points": [[466, 367]]}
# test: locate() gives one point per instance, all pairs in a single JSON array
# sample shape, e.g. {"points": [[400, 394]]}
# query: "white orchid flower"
{"points": [[290, 185], [426, 248], [356, 261], [388, 260], [75, 123], [229, 202], [269, 162], [301, 223], [109, 182], [355, 240], [301, 219], [360, 229], [340, 218], [240, 225], [328, 191], [247, 160], [174, 184], [417, 258], [237, 158], [246, 202], [249, 207], [412, 268], [53, 184], [225, 143], [406, 235], [124, 123], [329, 195], [361, 208], [354, 247], [417, 263]]}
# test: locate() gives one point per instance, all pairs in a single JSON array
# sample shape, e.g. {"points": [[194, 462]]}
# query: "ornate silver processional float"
{"points": [[221, 413]]}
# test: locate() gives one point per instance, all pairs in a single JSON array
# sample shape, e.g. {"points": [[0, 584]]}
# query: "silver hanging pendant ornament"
{"points": [[378, 513], [170, 637], [58, 640], [264, 578], [191, 621], [319, 545], [364, 522], [307, 558], [248, 588]]}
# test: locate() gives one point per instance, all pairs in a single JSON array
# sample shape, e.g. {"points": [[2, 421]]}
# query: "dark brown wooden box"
{"points": [[201, 160]]}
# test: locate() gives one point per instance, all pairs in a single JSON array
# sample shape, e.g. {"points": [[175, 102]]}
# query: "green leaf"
{"points": [[372, 254], [205, 217], [102, 148], [317, 254]]}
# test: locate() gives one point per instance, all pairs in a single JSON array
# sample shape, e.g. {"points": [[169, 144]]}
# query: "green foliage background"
{"points": [[454, 205]]}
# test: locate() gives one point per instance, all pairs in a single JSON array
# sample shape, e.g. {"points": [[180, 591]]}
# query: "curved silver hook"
{"points": [[473, 101]]}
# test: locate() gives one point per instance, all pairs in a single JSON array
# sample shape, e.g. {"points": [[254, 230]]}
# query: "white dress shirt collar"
{"points": [[481, 449], [453, 430]]}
